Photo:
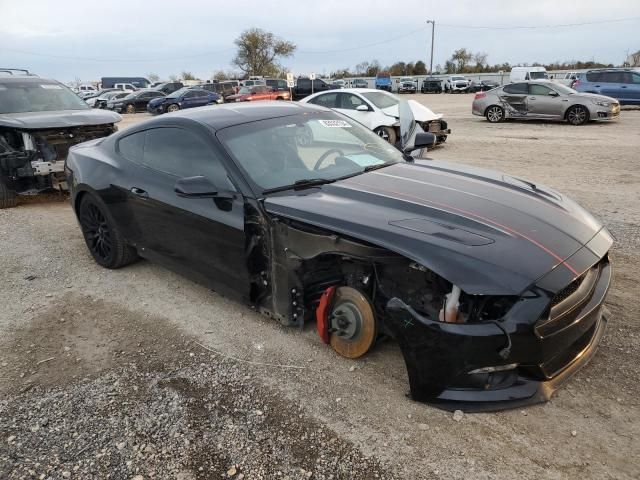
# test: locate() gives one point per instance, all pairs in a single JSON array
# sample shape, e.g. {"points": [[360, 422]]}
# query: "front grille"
{"points": [[565, 305], [567, 291]]}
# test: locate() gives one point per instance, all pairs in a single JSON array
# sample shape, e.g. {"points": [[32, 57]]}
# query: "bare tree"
{"points": [[173, 78], [187, 75], [259, 51], [153, 77]]}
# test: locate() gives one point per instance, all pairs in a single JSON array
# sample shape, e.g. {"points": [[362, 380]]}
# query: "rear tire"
{"points": [[494, 114], [8, 198], [577, 115], [102, 236], [387, 133]]}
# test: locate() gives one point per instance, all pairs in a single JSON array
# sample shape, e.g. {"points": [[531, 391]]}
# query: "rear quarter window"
{"points": [[132, 146], [516, 88]]}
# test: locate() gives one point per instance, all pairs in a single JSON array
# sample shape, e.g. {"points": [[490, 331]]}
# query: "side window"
{"points": [[626, 77], [191, 94], [350, 101], [535, 89], [132, 146], [147, 95], [594, 77], [304, 83], [635, 78], [329, 100], [611, 77], [181, 153], [516, 88]]}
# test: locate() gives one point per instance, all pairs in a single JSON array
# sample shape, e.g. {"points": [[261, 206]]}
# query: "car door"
{"points": [[141, 101], [630, 88], [610, 84], [202, 238], [544, 102], [514, 99], [348, 104], [190, 99]]}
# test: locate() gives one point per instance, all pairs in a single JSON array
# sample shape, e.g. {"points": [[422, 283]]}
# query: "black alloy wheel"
{"points": [[103, 239]]}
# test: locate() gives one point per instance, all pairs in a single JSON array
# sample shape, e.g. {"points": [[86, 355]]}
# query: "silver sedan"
{"points": [[543, 100]]}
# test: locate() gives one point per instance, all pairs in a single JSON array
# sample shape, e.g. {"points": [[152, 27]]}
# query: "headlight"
{"points": [[601, 103]]}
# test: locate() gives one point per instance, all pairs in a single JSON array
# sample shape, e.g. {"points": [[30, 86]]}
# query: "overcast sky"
{"points": [[65, 39]]}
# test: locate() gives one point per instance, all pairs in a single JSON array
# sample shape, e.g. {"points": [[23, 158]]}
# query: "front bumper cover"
{"points": [[442, 358]]}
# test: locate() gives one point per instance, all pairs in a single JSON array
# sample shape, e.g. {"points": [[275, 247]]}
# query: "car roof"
{"points": [[25, 78], [353, 90], [228, 115]]}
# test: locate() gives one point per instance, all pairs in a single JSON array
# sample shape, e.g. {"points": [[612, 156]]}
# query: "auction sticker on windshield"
{"points": [[334, 123], [49, 86]]}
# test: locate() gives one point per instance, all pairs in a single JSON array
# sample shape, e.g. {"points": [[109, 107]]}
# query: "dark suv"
{"points": [[623, 84], [222, 88], [39, 120], [168, 87]]}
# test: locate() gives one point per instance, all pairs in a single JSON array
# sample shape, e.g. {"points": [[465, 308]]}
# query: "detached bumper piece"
{"points": [[507, 364]]}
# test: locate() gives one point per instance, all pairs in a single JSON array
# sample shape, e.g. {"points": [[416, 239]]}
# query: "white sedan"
{"points": [[378, 110]]}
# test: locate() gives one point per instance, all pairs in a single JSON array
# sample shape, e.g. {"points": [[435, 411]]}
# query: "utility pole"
{"points": [[433, 27]]}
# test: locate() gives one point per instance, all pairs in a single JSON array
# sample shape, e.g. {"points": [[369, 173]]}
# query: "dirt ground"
{"points": [[139, 373]]}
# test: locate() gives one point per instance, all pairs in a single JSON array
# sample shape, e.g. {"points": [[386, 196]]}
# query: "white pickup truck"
{"points": [[565, 79], [456, 83]]}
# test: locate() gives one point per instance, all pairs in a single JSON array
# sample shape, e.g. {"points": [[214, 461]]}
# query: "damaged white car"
{"points": [[39, 120], [378, 110]]}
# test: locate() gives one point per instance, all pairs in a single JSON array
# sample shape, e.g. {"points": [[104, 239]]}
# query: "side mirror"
{"points": [[199, 187], [553, 93], [422, 140], [362, 108]]}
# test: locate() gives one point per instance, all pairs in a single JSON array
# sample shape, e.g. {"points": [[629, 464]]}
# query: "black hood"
{"points": [[57, 119], [484, 231]]}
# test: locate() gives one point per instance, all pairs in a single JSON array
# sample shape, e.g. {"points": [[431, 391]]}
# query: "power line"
{"points": [[118, 60], [364, 46], [535, 27]]}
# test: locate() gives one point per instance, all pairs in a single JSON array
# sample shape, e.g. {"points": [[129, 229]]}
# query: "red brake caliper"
{"points": [[322, 313]]}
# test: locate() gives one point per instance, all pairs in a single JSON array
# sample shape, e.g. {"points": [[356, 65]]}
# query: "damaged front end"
{"points": [[32, 161], [477, 352], [503, 351]]}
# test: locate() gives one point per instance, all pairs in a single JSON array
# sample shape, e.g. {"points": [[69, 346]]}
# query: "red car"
{"points": [[258, 92]]}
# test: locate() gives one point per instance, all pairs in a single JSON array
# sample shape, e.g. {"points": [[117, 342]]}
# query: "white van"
{"points": [[519, 74]]}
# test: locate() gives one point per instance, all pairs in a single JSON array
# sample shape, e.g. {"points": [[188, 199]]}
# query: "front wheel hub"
{"points": [[352, 323]]}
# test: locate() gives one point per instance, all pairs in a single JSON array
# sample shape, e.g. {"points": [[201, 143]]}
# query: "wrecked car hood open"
{"points": [[420, 112], [57, 119], [486, 232]]}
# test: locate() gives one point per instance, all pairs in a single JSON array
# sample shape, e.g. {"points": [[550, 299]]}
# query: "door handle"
{"points": [[532, 98], [138, 192]]}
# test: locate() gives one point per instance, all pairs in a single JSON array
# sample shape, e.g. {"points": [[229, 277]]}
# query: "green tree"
{"points": [[420, 68], [259, 51]]}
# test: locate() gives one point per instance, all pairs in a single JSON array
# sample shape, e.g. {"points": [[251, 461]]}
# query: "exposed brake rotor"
{"points": [[352, 323]]}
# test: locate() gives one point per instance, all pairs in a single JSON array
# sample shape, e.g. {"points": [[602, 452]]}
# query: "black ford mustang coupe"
{"points": [[492, 286]]}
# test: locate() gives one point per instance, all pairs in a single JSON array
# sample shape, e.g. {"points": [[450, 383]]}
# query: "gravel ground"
{"points": [[139, 373]]}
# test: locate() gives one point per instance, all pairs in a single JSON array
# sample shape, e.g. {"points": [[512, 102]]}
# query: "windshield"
{"points": [[39, 96], [279, 152], [381, 99], [537, 75], [458, 78], [244, 90], [563, 89], [178, 93]]}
